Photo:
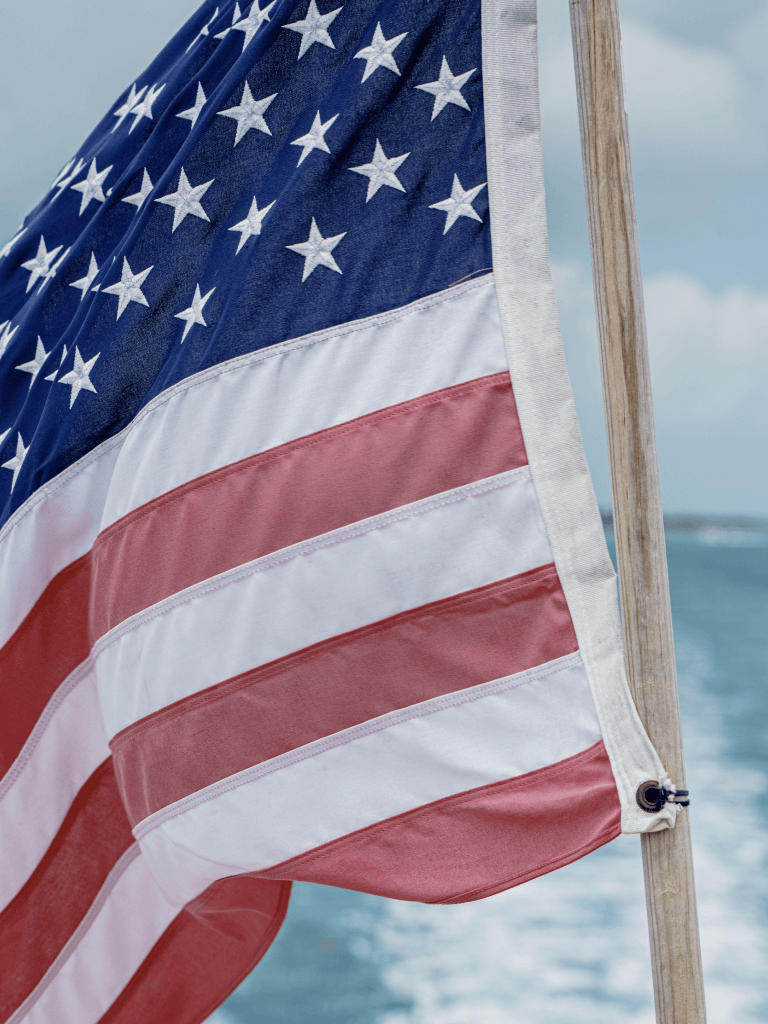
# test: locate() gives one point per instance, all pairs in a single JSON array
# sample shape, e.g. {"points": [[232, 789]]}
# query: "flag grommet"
{"points": [[651, 796]]}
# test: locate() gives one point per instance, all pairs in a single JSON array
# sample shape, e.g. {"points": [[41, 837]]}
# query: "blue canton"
{"points": [[277, 170]]}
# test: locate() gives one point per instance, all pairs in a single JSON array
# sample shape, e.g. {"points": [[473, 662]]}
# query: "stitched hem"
{"points": [[531, 330]]}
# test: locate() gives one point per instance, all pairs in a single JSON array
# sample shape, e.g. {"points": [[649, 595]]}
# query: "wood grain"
{"points": [[638, 524]]}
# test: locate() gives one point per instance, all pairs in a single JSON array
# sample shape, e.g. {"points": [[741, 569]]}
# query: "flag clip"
{"points": [[651, 796]]}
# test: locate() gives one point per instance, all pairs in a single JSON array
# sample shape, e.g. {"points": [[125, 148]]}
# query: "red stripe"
{"points": [[47, 646], [302, 489], [213, 944], [448, 645], [248, 509], [476, 843], [35, 926], [461, 848]]}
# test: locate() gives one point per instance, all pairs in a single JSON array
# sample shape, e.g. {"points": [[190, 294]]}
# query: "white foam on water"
{"points": [[569, 946], [715, 536], [730, 849]]}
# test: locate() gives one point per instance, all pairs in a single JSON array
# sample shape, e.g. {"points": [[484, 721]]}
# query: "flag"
{"points": [[303, 573]]}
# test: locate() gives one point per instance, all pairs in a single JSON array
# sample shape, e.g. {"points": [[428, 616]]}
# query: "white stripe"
{"points": [[339, 739], [46, 778], [293, 390], [53, 528], [73, 941], [543, 392], [524, 723], [426, 551], [244, 406], [129, 923]]}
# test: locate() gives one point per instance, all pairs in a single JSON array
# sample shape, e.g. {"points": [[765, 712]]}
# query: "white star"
{"points": [[194, 315], [459, 205], [379, 53], [52, 272], [314, 28], [381, 171], [78, 378], [41, 264], [133, 98], [194, 112], [137, 199], [52, 376], [3, 436], [9, 245], [235, 18], [66, 177], [144, 109], [7, 335], [128, 288], [250, 25], [203, 31], [315, 137], [91, 185], [249, 113], [447, 89], [85, 282], [17, 461], [186, 200], [252, 223], [317, 250], [34, 366]]}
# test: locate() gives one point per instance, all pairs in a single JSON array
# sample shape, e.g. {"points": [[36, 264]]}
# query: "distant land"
{"points": [[693, 523]]}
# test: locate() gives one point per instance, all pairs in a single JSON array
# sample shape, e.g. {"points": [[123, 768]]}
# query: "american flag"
{"points": [[302, 572]]}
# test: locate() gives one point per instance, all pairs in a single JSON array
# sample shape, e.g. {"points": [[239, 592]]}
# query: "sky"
{"points": [[697, 101]]}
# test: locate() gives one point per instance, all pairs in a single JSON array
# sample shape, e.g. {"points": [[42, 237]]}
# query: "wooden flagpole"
{"points": [[638, 523]]}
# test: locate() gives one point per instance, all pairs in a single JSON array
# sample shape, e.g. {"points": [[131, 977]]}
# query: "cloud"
{"points": [[708, 350], [691, 106], [709, 371], [709, 354], [686, 102], [62, 65]]}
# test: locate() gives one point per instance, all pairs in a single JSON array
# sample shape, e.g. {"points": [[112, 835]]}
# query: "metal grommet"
{"points": [[650, 796]]}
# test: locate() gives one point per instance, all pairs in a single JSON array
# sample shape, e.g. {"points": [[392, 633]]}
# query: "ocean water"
{"points": [[572, 947]]}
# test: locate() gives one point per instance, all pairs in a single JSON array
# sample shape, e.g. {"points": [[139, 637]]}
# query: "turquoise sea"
{"points": [[572, 947]]}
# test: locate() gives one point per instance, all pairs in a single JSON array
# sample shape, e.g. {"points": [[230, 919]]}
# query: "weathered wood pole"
{"points": [[638, 523]]}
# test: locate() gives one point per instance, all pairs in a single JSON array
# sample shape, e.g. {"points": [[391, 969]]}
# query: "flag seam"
{"points": [[125, 860], [289, 554], [346, 736], [360, 836], [244, 680], [284, 450], [57, 698], [238, 362]]}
